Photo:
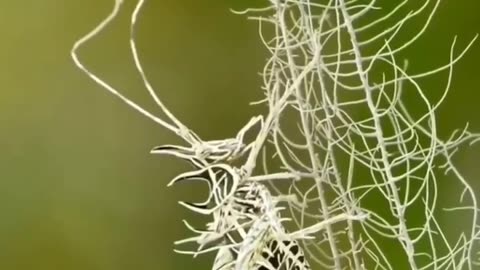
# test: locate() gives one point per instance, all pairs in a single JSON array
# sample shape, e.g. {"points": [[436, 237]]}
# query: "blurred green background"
{"points": [[78, 189]]}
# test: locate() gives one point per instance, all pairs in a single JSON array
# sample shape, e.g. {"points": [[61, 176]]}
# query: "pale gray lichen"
{"points": [[333, 71]]}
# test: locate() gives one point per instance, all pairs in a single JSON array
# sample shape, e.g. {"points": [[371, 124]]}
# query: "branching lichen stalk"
{"points": [[322, 82], [399, 208]]}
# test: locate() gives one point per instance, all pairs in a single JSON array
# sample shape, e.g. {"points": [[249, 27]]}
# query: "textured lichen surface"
{"points": [[340, 102]]}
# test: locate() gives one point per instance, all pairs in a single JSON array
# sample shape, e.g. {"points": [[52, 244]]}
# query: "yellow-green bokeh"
{"points": [[78, 189]]}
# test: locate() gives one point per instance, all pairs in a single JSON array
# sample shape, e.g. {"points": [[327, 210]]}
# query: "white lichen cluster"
{"points": [[293, 193]]}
